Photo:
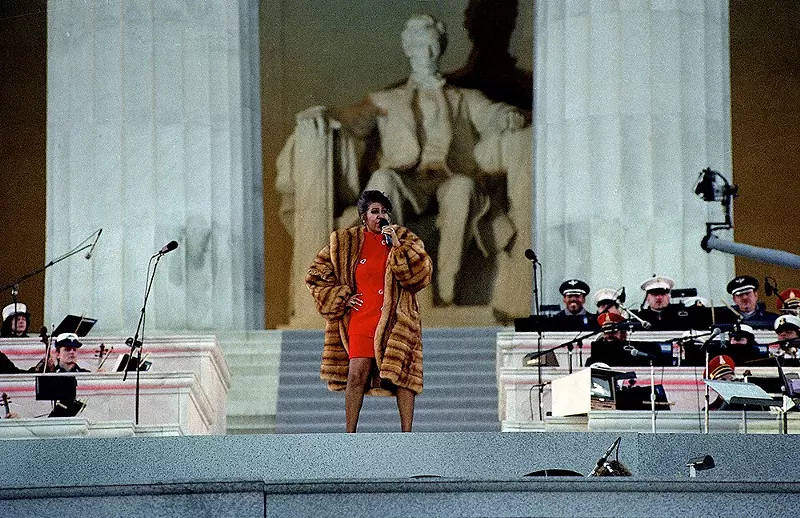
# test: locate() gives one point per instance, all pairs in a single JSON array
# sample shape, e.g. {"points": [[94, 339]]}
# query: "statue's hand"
{"points": [[514, 121], [315, 117]]}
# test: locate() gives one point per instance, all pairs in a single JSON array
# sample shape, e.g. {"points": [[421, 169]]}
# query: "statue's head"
{"points": [[490, 23], [424, 41]]}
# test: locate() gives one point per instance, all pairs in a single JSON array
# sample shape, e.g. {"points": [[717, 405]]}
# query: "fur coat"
{"points": [[331, 279]]}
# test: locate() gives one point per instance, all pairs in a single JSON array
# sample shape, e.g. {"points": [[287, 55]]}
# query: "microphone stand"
{"points": [[14, 285], [652, 397], [568, 345], [134, 342], [531, 256]]}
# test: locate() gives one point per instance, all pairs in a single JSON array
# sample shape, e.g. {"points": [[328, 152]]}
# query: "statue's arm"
{"points": [[329, 294], [358, 120], [410, 263], [491, 117]]}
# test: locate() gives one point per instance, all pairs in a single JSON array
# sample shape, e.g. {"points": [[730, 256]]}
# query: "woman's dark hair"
{"points": [[6, 330], [369, 197]]}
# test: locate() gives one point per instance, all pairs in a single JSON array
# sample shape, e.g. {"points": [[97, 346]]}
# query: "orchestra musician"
{"points": [[16, 321], [657, 308], [67, 345]]}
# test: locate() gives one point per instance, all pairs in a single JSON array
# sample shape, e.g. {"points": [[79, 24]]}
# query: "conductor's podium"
{"points": [[525, 394], [185, 391]]}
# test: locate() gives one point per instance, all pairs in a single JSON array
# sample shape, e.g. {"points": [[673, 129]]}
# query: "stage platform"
{"points": [[414, 475]]}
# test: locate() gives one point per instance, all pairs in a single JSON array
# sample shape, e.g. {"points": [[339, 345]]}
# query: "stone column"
{"points": [[632, 101], [153, 134]]}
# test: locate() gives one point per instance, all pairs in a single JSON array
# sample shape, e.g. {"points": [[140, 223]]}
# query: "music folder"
{"points": [[52, 388], [79, 325], [741, 393]]}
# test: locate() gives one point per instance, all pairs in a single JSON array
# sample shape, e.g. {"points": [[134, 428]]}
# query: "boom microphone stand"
{"points": [[14, 285], [134, 342]]}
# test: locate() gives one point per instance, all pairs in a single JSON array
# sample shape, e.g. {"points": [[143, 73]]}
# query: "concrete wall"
{"points": [[372, 474]]}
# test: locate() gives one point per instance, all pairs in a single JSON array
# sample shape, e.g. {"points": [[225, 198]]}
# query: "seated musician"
{"points": [[787, 328], [67, 345], [574, 315], [658, 309], [720, 367], [16, 321], [609, 348], [788, 302], [742, 347], [607, 301], [747, 308]]}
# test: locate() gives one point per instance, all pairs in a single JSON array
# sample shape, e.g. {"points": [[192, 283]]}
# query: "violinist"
{"points": [[16, 321], [67, 345], [8, 367]]}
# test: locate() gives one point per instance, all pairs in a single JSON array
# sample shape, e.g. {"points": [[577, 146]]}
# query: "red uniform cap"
{"points": [[607, 320], [720, 365], [788, 299]]}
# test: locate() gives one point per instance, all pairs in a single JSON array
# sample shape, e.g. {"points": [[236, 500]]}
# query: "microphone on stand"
{"points": [[636, 352], [531, 256], [383, 222], [91, 248], [169, 247], [714, 333], [769, 288]]}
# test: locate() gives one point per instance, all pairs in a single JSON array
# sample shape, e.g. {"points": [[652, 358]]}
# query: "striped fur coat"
{"points": [[398, 337]]}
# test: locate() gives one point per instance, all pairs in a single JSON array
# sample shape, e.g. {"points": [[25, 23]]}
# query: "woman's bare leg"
{"points": [[357, 376], [405, 404]]}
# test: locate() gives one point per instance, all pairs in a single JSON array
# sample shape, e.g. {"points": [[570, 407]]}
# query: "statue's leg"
{"points": [[454, 197]]}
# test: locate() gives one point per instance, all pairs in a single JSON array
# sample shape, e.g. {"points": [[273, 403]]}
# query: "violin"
{"points": [[102, 355], [43, 366]]}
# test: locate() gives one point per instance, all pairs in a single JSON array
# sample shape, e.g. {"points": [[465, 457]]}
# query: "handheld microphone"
{"points": [[621, 297], [169, 247], [383, 222], [91, 248]]}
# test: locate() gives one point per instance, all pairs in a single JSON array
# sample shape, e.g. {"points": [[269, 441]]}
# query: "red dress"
{"points": [[370, 272]]}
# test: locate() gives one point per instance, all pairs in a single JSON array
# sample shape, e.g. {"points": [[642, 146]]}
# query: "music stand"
{"points": [[741, 393], [62, 391], [125, 362], [79, 325], [53, 388]]}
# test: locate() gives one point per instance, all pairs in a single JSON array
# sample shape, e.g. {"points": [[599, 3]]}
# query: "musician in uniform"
{"points": [[658, 309], [788, 301], [742, 345], [720, 367], [67, 345], [16, 321], [607, 301], [787, 327], [609, 348], [574, 315], [744, 291]]}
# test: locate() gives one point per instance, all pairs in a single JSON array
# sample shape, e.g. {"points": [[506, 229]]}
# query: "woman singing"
{"points": [[364, 284]]}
